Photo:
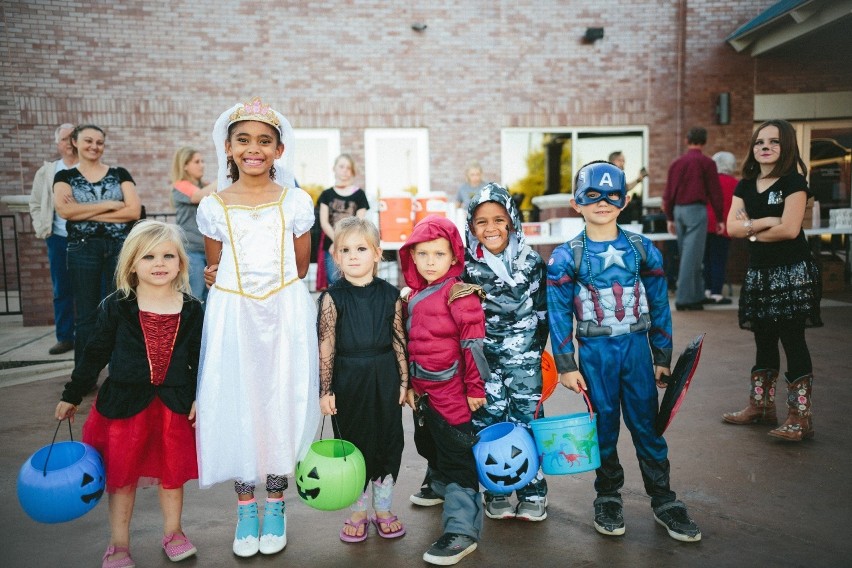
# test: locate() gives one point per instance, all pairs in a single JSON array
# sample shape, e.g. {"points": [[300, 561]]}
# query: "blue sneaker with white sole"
{"points": [[274, 535], [246, 541]]}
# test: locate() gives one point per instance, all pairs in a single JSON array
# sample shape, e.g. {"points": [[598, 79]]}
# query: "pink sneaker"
{"points": [[123, 562], [180, 550]]}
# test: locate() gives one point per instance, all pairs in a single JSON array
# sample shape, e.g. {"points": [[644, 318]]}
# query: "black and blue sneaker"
{"points": [[674, 517]]}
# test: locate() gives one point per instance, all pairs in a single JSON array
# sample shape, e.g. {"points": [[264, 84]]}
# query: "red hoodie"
{"points": [[446, 327]]}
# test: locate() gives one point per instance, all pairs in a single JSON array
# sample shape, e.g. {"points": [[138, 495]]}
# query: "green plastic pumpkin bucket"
{"points": [[568, 444], [331, 476]]}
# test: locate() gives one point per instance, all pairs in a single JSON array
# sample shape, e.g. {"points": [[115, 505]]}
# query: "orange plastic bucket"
{"points": [[431, 204], [395, 218]]}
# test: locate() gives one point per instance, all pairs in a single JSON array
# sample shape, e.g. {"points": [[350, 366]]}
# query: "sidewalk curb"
{"points": [[33, 373]]}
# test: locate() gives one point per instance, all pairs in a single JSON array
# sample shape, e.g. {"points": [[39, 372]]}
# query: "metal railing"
{"points": [[10, 295]]}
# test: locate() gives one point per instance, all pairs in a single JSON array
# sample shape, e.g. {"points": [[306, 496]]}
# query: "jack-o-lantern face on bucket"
{"points": [[61, 482], [509, 470], [308, 493], [506, 457], [332, 475], [89, 483]]}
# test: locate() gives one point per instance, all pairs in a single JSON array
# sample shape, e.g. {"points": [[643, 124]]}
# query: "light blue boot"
{"points": [[246, 541]]}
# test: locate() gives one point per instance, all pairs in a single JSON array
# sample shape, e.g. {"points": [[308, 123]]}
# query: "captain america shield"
{"points": [[678, 384]]}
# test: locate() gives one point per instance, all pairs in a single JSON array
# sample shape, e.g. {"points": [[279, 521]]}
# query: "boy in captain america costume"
{"points": [[612, 282]]}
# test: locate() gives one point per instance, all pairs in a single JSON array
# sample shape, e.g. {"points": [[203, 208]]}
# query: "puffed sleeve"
{"points": [[303, 212], [210, 217]]}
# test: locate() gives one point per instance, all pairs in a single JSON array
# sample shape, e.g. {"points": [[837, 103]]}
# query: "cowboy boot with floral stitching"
{"points": [[800, 423], [761, 400]]}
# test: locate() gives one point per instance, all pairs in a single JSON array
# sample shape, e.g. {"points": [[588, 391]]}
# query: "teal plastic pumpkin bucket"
{"points": [[568, 444], [331, 476]]}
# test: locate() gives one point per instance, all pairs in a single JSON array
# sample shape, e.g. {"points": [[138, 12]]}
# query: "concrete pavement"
{"points": [[758, 501]]}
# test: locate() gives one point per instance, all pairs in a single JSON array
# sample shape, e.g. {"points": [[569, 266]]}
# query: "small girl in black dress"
{"points": [[782, 289], [363, 370]]}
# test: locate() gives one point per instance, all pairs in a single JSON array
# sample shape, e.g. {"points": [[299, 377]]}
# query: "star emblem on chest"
{"points": [[612, 256]]}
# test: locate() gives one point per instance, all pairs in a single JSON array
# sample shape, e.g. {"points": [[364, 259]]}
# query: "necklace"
{"points": [[592, 276]]}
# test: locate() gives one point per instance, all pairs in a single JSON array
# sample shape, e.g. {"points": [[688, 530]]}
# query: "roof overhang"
{"points": [[785, 22]]}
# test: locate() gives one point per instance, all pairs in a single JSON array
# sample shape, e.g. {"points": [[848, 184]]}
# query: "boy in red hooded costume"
{"points": [[446, 329]]}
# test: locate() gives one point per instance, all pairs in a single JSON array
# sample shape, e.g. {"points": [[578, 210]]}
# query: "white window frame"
{"points": [[631, 167], [374, 163], [323, 171]]}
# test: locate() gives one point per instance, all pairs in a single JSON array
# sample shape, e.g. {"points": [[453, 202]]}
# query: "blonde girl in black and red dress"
{"points": [[149, 331]]}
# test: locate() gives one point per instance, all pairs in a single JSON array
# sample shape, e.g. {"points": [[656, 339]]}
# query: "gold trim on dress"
{"points": [[278, 203]]}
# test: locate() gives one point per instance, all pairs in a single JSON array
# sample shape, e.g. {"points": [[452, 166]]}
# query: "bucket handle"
{"points": [[588, 405], [333, 423], [53, 441]]}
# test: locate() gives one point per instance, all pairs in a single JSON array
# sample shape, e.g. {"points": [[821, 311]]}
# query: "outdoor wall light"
{"points": [[723, 108], [418, 26], [593, 35]]}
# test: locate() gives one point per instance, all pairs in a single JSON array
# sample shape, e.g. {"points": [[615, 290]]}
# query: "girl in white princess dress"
{"points": [[258, 406]]}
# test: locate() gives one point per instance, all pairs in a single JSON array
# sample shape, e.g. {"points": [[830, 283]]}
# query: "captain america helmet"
{"points": [[603, 178]]}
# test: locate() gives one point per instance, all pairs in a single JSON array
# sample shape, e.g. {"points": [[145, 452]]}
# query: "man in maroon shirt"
{"points": [[692, 183]]}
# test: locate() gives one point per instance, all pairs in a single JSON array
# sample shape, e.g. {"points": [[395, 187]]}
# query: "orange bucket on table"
{"points": [[395, 218], [430, 204]]}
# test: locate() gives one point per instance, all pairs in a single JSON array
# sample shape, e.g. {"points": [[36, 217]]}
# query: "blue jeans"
{"points": [[91, 266], [197, 262], [63, 298], [715, 262]]}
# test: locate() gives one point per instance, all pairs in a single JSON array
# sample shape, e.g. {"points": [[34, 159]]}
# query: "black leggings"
{"points": [[792, 337]]}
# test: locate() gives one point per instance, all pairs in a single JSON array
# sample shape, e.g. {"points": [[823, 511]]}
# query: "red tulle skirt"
{"points": [[156, 446]]}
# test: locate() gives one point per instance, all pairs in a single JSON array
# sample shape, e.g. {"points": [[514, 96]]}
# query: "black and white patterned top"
{"points": [[84, 191]]}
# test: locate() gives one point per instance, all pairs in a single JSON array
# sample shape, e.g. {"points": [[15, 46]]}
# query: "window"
{"points": [[316, 149], [396, 161], [528, 156]]}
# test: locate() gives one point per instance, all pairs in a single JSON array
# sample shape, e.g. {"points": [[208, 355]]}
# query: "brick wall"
{"points": [[478, 67], [156, 74]]}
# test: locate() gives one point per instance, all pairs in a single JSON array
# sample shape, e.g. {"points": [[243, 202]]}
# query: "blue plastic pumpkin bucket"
{"points": [[568, 444], [61, 482], [506, 457]]}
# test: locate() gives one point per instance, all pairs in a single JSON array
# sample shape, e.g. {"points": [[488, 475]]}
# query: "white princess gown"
{"points": [[258, 381]]}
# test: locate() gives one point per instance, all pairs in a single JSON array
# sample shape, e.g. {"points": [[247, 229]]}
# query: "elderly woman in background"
{"points": [[717, 245], [100, 204], [187, 191]]}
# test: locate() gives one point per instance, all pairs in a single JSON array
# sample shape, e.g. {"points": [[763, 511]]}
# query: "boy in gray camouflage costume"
{"points": [[514, 278]]}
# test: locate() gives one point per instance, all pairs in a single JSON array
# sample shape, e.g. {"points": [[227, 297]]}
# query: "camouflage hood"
{"points": [[517, 243]]}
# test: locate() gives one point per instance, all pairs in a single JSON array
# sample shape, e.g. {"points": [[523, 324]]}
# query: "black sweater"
{"points": [[119, 341]]}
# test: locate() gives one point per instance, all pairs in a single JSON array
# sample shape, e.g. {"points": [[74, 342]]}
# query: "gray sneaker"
{"points": [[674, 517], [498, 507], [609, 516], [532, 510], [449, 549]]}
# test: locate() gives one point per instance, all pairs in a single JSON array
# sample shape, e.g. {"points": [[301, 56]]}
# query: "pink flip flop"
{"points": [[365, 522], [382, 525]]}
